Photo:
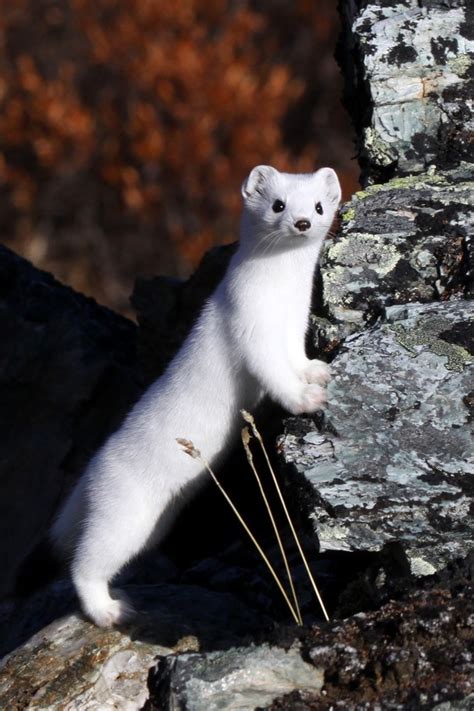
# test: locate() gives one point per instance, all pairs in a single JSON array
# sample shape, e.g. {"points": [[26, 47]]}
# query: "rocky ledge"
{"points": [[413, 653], [391, 462]]}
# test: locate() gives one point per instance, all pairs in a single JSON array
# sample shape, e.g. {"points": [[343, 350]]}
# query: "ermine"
{"points": [[248, 341]]}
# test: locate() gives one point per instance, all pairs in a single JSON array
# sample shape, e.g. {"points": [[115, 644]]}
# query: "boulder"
{"points": [[408, 73], [68, 375], [70, 664], [61, 661], [239, 678], [403, 241], [412, 653], [391, 460], [71, 370]]}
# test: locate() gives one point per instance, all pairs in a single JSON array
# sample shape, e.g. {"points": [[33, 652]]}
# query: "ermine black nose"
{"points": [[302, 225]]}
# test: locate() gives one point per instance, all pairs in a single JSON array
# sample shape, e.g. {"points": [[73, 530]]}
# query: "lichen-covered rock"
{"points": [[409, 88], [68, 374], [407, 240], [393, 462], [242, 678]]}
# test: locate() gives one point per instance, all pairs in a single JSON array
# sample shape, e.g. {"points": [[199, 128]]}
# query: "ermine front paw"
{"points": [[314, 398], [311, 397], [317, 371]]}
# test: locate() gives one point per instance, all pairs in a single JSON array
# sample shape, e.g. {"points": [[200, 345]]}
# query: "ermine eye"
{"points": [[319, 208], [278, 206]]}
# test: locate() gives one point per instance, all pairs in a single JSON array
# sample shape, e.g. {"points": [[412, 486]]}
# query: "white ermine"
{"points": [[248, 341]]}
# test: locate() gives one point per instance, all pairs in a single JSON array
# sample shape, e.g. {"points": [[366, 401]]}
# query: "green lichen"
{"points": [[379, 150], [348, 214], [461, 64], [366, 251], [414, 181], [407, 182], [426, 335], [370, 190]]}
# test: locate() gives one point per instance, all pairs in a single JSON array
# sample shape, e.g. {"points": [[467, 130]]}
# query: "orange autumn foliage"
{"points": [[126, 128]]}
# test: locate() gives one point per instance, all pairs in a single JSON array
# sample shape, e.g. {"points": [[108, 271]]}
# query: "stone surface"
{"points": [[68, 373], [409, 88], [70, 664], [413, 653], [61, 661], [393, 460], [407, 240], [243, 679], [166, 308]]}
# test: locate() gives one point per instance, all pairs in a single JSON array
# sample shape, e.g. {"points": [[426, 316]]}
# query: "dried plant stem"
{"points": [[245, 441], [248, 418], [191, 450]]}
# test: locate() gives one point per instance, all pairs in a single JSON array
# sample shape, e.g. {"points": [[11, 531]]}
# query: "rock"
{"points": [[68, 374], [68, 663], [166, 308], [242, 678], [413, 653], [400, 242], [71, 664], [392, 461], [407, 68]]}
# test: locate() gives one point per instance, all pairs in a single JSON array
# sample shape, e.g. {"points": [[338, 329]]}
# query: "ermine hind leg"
{"points": [[105, 547]]}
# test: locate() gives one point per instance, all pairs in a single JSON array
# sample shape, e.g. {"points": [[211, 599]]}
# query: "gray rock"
{"points": [[242, 678], [393, 462], [409, 83], [400, 242]]}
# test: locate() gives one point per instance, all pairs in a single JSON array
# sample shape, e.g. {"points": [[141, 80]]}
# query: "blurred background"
{"points": [[126, 128]]}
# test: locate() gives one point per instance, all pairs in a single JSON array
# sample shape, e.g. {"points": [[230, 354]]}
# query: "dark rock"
{"points": [[414, 653], [167, 308], [391, 460], [68, 373]]}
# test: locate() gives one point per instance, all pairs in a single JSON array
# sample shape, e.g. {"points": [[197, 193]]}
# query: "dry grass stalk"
{"points": [[245, 441], [248, 418], [191, 450]]}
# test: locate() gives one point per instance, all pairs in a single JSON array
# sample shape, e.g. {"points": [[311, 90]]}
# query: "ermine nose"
{"points": [[302, 225]]}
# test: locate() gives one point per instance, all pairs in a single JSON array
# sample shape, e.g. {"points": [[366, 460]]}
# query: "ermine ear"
{"points": [[331, 184], [260, 175]]}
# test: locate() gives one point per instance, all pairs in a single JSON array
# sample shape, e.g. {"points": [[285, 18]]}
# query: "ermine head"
{"points": [[289, 209]]}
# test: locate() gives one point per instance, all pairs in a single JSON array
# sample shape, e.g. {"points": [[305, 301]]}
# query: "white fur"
{"points": [[248, 341]]}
